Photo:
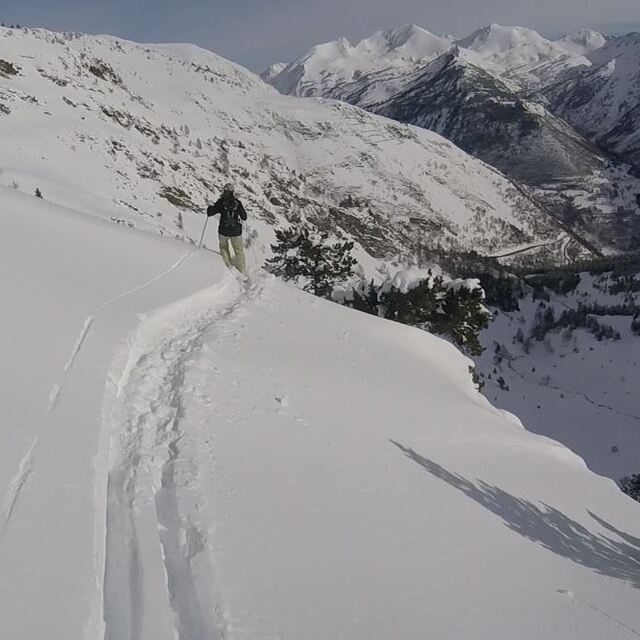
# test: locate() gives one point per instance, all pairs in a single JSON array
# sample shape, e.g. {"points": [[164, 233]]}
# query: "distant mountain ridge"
{"points": [[603, 100], [560, 116], [520, 53]]}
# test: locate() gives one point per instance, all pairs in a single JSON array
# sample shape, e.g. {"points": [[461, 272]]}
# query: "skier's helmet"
{"points": [[228, 188]]}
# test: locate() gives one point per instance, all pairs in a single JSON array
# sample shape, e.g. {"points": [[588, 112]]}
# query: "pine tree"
{"points": [[365, 298], [316, 265], [462, 316]]}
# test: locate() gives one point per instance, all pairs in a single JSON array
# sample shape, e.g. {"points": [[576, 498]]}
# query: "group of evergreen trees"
{"points": [[459, 313], [432, 304], [582, 317]]}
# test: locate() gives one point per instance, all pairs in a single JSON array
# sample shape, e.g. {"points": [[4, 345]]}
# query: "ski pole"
{"points": [[206, 220]]}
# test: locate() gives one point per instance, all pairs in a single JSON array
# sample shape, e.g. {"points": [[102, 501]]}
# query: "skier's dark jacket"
{"points": [[231, 212]]}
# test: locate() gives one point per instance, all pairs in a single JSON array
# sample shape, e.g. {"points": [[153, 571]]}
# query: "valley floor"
{"points": [[187, 455]]}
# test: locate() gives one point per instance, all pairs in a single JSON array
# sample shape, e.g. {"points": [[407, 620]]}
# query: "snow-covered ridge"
{"points": [[521, 54], [582, 41], [146, 135], [332, 63], [518, 53]]}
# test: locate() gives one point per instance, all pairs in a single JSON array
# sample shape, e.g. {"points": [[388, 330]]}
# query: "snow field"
{"points": [[241, 460]]}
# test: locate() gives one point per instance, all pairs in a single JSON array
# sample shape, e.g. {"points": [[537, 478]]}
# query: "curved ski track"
{"points": [[26, 466], [152, 473]]}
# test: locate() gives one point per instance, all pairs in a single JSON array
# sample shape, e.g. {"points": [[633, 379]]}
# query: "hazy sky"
{"points": [[259, 32]]}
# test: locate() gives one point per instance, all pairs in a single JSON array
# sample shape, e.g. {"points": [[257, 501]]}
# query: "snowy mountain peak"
{"points": [[582, 41], [498, 38], [410, 41], [333, 63], [339, 47], [271, 72], [521, 54]]}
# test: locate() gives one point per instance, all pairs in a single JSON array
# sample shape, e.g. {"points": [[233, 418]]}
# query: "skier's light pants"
{"points": [[237, 260]]}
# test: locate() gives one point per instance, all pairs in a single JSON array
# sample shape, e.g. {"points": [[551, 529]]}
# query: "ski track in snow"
{"points": [[25, 468], [89, 321], [27, 464], [151, 470]]}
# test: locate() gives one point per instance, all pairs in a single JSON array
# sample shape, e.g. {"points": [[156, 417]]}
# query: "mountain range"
{"points": [[557, 116], [188, 452], [147, 135]]}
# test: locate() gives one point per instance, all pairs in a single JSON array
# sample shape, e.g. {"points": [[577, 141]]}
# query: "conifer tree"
{"points": [[300, 255]]}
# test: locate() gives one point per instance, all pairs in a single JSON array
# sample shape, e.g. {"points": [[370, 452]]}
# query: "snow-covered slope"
{"points": [[573, 382], [147, 135], [245, 461], [479, 111]]}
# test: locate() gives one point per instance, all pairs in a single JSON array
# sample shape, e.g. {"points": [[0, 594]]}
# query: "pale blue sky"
{"points": [[259, 32]]}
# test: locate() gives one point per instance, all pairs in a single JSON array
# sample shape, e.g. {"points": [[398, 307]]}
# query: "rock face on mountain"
{"points": [[519, 102], [147, 135], [486, 117], [603, 99]]}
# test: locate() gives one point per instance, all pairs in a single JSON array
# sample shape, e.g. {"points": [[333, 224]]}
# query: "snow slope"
{"points": [[188, 456], [570, 385], [146, 135]]}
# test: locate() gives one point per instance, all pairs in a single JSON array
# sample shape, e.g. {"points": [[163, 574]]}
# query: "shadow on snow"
{"points": [[616, 558]]}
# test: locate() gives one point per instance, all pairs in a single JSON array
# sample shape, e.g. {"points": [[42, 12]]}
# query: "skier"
{"points": [[230, 228]]}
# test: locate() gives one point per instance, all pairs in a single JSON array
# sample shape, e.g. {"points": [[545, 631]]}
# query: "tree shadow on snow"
{"points": [[618, 558]]}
